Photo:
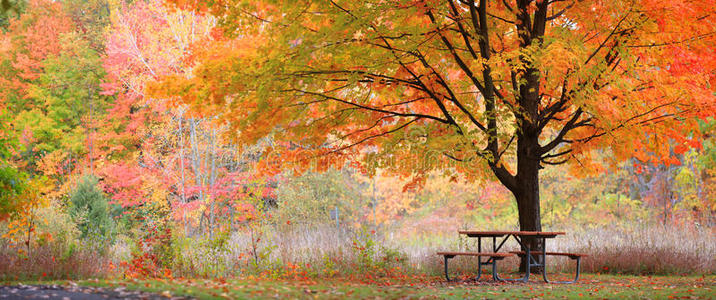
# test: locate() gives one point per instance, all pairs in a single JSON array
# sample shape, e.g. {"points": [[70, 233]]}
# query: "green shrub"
{"points": [[12, 182], [89, 209]]}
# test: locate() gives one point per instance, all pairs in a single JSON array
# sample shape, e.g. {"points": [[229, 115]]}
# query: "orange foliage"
{"points": [[625, 76]]}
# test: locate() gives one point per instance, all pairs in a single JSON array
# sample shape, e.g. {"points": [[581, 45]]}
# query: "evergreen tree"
{"points": [[89, 208]]}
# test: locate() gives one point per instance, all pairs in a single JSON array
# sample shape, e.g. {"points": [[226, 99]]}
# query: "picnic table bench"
{"points": [[573, 256], [494, 257], [535, 258]]}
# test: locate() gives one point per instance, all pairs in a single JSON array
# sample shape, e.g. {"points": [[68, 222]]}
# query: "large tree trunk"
{"points": [[526, 191]]}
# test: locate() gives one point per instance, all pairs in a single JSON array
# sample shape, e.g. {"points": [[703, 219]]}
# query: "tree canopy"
{"points": [[416, 85]]}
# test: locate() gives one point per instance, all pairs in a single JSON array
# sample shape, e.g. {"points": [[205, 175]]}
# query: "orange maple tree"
{"points": [[29, 40], [468, 87]]}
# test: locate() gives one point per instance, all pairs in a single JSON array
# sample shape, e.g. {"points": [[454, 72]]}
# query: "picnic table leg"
{"points": [[479, 268], [526, 278], [479, 259], [529, 257], [527, 269], [576, 275], [447, 257], [494, 270], [544, 267], [544, 260]]}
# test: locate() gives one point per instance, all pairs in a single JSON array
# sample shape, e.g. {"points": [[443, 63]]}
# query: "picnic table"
{"points": [[535, 257]]}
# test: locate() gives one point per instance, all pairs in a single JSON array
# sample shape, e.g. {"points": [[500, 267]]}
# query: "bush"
{"points": [[57, 252], [151, 240], [90, 210], [11, 185], [59, 226]]}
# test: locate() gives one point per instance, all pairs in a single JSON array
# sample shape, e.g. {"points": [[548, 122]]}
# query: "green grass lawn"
{"points": [[591, 285]]}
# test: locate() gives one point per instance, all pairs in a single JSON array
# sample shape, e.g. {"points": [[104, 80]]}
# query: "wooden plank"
{"points": [[456, 253], [540, 233], [478, 233]]}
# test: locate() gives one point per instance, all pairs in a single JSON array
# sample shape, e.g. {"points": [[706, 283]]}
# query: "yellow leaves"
{"points": [[23, 223], [156, 191], [34, 195], [169, 87], [559, 56], [585, 165], [12, 229]]}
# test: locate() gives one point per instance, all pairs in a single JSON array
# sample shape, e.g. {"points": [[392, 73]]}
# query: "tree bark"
{"points": [[212, 179], [181, 167], [526, 191], [529, 151]]}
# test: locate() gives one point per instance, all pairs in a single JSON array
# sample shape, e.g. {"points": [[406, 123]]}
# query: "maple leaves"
{"points": [[505, 88], [30, 40]]}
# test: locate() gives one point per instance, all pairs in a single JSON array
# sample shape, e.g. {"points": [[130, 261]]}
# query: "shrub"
{"points": [[152, 251], [11, 185], [90, 210], [53, 259], [59, 226]]}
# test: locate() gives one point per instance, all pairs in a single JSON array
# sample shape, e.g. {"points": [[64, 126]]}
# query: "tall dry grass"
{"points": [[322, 250], [47, 262], [639, 249], [633, 250]]}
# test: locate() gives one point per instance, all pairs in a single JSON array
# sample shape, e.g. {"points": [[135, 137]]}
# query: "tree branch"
{"points": [[373, 108]]}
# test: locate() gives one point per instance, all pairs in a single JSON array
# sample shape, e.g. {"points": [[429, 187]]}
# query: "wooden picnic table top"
{"points": [[478, 233]]}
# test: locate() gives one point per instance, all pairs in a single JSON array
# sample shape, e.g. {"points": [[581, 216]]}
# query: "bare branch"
{"points": [[571, 124], [361, 106]]}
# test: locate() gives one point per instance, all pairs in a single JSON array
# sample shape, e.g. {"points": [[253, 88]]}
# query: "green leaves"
{"points": [[89, 209], [12, 184]]}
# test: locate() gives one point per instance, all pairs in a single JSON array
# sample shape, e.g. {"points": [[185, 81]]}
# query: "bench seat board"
{"points": [[492, 260], [552, 253]]}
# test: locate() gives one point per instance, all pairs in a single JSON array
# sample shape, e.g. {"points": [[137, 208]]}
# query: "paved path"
{"points": [[56, 292]]}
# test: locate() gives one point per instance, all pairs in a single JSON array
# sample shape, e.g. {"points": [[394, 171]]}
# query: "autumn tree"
{"points": [[50, 84], [504, 86], [67, 101], [30, 39], [155, 152]]}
